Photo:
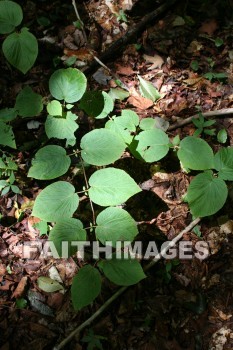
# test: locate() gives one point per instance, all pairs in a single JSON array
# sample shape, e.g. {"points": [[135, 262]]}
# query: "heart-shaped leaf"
{"points": [[86, 286], [101, 147], [122, 272], [115, 224], [111, 186], [21, 50], [26, 108], [50, 162], [68, 84], [195, 154], [56, 201], [206, 194], [11, 15]]}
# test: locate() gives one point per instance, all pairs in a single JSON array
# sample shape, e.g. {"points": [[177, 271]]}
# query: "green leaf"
{"points": [[198, 123], [122, 272], [96, 104], [176, 140], [67, 230], [222, 136], [21, 303], [195, 154], [86, 286], [209, 123], [5, 190], [178, 21], [153, 123], [125, 125], [111, 186], [101, 147], [54, 108], [28, 103], [11, 15], [56, 201], [15, 189], [218, 42], [152, 145], [115, 224], [118, 94], [206, 194], [21, 50], [223, 162], [42, 227], [48, 285], [62, 128], [8, 114], [108, 106], [68, 84], [7, 137], [194, 65], [213, 75], [210, 132], [3, 183], [50, 162], [148, 90]]}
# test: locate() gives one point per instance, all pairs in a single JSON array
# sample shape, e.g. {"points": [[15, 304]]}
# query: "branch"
{"points": [[117, 47], [218, 113], [122, 289]]}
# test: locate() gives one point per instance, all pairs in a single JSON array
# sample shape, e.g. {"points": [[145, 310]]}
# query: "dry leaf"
{"points": [[123, 70], [20, 289], [156, 60], [194, 46], [140, 102], [209, 27], [192, 81], [82, 54]]}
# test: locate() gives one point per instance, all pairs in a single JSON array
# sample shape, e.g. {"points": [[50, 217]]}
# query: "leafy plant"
{"points": [[215, 76], [19, 48], [8, 185], [202, 125], [93, 340], [121, 16], [194, 65], [108, 187]]}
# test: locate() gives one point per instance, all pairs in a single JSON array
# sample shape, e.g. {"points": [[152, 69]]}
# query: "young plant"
{"points": [[202, 125], [8, 185]]}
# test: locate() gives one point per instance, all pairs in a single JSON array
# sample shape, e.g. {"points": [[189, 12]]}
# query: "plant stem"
{"points": [[78, 17], [87, 186], [122, 289]]}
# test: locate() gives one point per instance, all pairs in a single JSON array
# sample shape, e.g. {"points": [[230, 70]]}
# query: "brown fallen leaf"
{"points": [[82, 54], [123, 70], [20, 289], [192, 81], [209, 27], [140, 102], [156, 60]]}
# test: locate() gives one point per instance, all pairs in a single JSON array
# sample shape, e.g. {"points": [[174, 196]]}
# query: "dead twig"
{"points": [[76, 331], [218, 113]]}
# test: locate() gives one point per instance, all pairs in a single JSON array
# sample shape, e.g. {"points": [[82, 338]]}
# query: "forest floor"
{"points": [[187, 53]]}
